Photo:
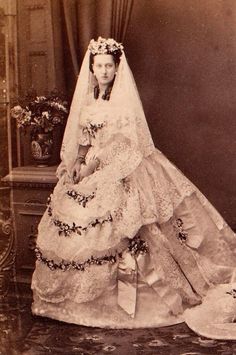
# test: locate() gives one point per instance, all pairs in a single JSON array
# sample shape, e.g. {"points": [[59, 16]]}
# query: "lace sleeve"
{"points": [[120, 157]]}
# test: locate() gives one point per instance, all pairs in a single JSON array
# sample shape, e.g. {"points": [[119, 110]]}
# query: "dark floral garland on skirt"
{"points": [[78, 197], [136, 246], [67, 230], [75, 265]]}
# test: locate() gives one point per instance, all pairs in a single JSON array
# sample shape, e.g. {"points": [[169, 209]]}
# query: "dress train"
{"points": [[179, 258]]}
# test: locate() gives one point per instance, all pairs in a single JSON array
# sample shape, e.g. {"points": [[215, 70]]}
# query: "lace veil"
{"points": [[124, 95]]}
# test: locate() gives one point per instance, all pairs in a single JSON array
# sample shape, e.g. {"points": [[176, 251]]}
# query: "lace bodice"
{"points": [[102, 121]]}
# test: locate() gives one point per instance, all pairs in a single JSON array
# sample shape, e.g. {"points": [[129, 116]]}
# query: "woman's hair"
{"points": [[107, 93], [116, 56]]}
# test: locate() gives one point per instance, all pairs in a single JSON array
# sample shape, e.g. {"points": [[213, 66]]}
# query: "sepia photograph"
{"points": [[117, 177]]}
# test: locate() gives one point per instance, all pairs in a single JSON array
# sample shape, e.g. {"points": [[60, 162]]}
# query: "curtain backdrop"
{"points": [[121, 12], [83, 20]]}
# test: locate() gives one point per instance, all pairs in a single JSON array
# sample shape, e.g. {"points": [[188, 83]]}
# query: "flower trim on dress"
{"points": [[75, 265], [232, 293], [66, 229], [92, 128], [78, 197], [180, 232], [136, 246], [126, 184], [50, 211], [49, 205]]}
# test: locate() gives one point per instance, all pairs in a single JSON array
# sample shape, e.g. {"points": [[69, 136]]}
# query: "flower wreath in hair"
{"points": [[105, 46]]}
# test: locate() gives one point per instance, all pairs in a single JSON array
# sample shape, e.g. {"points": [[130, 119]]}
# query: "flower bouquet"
{"points": [[41, 114]]}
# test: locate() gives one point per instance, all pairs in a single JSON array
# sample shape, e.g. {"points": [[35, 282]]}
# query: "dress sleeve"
{"points": [[84, 137], [84, 140]]}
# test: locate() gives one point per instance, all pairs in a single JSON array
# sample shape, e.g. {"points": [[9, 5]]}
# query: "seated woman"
{"points": [[127, 240]]}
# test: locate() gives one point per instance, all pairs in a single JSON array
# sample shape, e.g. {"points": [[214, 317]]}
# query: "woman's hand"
{"points": [[61, 170], [88, 169], [75, 173]]}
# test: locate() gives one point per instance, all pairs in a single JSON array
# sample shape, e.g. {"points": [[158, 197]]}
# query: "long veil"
{"points": [[124, 94]]}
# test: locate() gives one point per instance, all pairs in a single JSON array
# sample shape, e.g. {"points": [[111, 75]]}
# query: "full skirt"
{"points": [[145, 251]]}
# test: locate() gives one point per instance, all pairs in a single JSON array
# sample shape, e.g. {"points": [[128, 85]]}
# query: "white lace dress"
{"points": [[132, 245]]}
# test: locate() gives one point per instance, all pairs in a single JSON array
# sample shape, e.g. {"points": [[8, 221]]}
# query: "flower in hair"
{"points": [[104, 46]]}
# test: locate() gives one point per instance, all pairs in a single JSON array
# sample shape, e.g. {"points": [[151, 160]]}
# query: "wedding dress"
{"points": [[135, 244]]}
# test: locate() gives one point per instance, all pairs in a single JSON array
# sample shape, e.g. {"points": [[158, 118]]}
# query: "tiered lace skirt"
{"points": [[131, 253]]}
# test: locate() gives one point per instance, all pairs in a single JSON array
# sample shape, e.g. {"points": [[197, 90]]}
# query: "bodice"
{"points": [[101, 123]]}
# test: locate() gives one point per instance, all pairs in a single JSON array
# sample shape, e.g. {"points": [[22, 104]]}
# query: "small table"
{"points": [[30, 188]]}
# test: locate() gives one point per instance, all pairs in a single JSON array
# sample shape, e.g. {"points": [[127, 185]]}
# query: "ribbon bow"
{"points": [[129, 269]]}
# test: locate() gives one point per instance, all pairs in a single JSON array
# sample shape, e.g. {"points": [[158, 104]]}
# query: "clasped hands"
{"points": [[81, 170]]}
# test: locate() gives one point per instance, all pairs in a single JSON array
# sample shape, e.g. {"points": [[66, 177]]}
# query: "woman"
{"points": [[127, 241]]}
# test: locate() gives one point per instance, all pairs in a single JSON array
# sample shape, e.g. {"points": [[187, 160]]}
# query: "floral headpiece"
{"points": [[104, 46]]}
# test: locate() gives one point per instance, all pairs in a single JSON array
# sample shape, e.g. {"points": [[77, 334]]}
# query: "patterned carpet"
{"points": [[22, 333]]}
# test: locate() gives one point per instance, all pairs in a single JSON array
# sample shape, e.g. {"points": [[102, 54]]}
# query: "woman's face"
{"points": [[104, 68]]}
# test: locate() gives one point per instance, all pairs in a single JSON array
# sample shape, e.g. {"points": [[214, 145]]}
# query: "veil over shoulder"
{"points": [[135, 244], [124, 102]]}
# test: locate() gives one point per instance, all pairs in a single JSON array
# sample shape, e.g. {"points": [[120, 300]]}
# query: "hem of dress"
{"points": [[65, 319]]}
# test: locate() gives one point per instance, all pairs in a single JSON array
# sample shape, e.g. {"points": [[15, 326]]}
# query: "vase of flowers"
{"points": [[42, 147], [41, 114]]}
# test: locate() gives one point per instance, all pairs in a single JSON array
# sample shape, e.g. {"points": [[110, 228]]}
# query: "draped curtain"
{"points": [[86, 19], [121, 12]]}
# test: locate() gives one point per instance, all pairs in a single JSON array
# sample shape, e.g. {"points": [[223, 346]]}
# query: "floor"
{"points": [[22, 333]]}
